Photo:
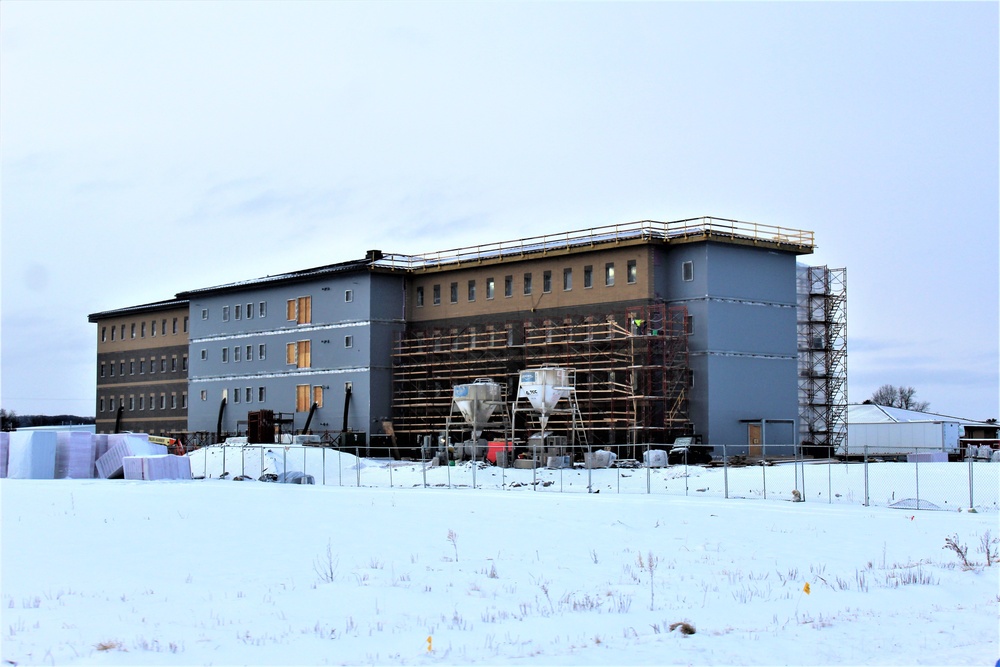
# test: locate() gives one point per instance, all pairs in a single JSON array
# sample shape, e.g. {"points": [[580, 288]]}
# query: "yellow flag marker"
{"points": [[804, 588], [428, 644]]}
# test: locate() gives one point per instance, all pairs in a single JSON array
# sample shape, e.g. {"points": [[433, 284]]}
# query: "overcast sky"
{"points": [[151, 148]]}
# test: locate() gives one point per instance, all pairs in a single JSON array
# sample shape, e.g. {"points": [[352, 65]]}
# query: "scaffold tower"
{"points": [[822, 346]]}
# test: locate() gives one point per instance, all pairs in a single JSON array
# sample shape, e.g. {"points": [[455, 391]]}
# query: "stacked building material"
{"points": [[75, 455], [4, 448], [655, 458], [100, 449], [164, 466], [32, 455], [111, 464]]}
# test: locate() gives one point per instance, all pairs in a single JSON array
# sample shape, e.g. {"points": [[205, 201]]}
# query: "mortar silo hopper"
{"points": [[482, 405]]}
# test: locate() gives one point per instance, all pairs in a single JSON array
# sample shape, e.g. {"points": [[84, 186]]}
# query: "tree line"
{"points": [[10, 420]]}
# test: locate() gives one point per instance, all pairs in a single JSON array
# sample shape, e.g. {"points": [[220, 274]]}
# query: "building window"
{"points": [[300, 310], [260, 394], [112, 365], [122, 333], [142, 367], [104, 334], [163, 401], [527, 283], [142, 329], [261, 349], [184, 363], [249, 352], [131, 367], [689, 324], [174, 326], [204, 394], [687, 271], [101, 404], [318, 396], [111, 404], [546, 281], [225, 313], [142, 401], [262, 309], [152, 401], [173, 401], [131, 403], [490, 288], [348, 296], [236, 395], [132, 331], [249, 311], [185, 324], [348, 341], [173, 364], [184, 401], [299, 353], [121, 368], [247, 395], [508, 286], [631, 272], [237, 354], [204, 316], [238, 312], [420, 296], [436, 292], [163, 364], [152, 365], [204, 354], [609, 274], [113, 333], [472, 290], [225, 355], [454, 292], [567, 279], [588, 277], [302, 397], [102, 369]]}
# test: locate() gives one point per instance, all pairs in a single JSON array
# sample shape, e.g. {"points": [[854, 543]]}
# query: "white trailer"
{"points": [[897, 439]]}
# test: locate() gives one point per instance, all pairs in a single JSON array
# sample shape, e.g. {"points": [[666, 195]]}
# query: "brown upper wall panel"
{"points": [[539, 299]]}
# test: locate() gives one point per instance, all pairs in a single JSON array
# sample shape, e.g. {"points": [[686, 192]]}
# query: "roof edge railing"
{"points": [[630, 231]]}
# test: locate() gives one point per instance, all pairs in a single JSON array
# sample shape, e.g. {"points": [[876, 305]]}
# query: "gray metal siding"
{"points": [[333, 363]]}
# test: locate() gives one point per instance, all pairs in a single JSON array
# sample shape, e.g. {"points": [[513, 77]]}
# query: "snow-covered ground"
{"points": [[223, 572]]}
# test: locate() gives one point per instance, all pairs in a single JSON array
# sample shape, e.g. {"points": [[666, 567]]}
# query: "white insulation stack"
{"points": [[4, 449], [655, 458], [32, 455], [100, 449], [166, 466], [111, 464], [75, 455]]}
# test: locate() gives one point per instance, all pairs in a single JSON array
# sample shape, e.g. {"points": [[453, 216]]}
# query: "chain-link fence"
{"points": [[920, 479]]}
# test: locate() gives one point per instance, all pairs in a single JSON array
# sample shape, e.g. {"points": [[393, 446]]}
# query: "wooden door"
{"points": [[753, 439]]}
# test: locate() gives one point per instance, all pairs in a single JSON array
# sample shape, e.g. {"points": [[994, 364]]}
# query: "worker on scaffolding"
{"points": [[638, 325]]}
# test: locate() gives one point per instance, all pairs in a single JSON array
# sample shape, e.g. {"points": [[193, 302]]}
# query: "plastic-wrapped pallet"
{"points": [[75, 455], [600, 458], [4, 448], [151, 468], [100, 449], [655, 458], [111, 466], [32, 455]]}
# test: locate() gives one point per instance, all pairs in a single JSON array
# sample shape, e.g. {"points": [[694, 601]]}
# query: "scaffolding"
{"points": [[631, 370], [822, 347]]}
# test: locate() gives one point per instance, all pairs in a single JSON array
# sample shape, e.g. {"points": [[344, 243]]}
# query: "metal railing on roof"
{"points": [[717, 228]]}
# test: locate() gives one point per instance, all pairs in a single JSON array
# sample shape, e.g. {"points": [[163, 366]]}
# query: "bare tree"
{"points": [[898, 397]]}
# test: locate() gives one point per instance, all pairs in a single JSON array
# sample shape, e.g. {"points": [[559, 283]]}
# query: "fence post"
{"points": [[686, 470], [865, 452], [647, 463], [763, 466], [916, 472], [971, 505], [324, 465], [725, 470], [357, 465], [829, 480]]}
